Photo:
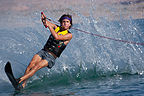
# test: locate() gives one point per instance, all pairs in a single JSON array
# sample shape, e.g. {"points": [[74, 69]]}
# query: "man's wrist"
{"points": [[44, 18]]}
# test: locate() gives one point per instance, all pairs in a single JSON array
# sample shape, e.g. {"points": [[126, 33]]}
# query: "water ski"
{"points": [[9, 73]]}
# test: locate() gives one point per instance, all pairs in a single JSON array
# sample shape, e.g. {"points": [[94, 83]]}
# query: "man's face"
{"points": [[65, 24]]}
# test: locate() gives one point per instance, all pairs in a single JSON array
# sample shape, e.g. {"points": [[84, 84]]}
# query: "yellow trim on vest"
{"points": [[62, 32]]}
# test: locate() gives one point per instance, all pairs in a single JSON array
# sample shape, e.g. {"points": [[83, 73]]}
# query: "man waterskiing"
{"points": [[58, 40]]}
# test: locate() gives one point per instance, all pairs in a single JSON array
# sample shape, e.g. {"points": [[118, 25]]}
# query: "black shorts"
{"points": [[45, 55]]}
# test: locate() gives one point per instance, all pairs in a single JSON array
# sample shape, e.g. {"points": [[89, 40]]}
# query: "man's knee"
{"points": [[34, 60], [32, 63], [36, 67], [42, 64]]}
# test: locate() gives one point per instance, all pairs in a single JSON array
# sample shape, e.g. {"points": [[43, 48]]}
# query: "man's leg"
{"points": [[36, 58], [38, 65]]}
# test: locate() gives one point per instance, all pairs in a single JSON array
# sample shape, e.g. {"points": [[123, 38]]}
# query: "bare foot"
{"points": [[24, 84]]}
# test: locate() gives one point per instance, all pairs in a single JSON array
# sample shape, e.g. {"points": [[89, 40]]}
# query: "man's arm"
{"points": [[45, 22], [52, 26], [66, 37]]}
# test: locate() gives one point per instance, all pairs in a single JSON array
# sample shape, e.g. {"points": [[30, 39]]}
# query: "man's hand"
{"points": [[47, 23], [43, 18]]}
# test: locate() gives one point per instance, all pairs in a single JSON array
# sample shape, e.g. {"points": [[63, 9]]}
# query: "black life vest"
{"points": [[56, 46]]}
